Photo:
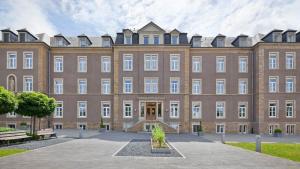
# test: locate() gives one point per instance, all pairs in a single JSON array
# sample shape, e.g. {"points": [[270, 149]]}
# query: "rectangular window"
{"points": [[82, 109], [220, 86], [195, 128], [290, 84], [273, 60], [146, 40], [11, 60], [58, 112], [220, 128], [197, 64], [151, 85], [11, 115], [156, 40], [58, 64], [174, 62], [273, 84], [273, 109], [27, 60], [82, 86], [127, 109], [150, 62], [243, 86], [174, 39], [127, 62], [243, 129], [11, 125], [174, 85], [196, 86], [82, 126], [105, 109], [220, 64], [243, 110], [290, 129], [272, 127], [83, 42], [127, 85], [196, 110], [58, 126], [290, 60], [105, 86], [289, 107], [58, 86], [243, 64], [27, 83], [174, 109], [105, 63], [220, 110], [82, 64], [128, 39]]}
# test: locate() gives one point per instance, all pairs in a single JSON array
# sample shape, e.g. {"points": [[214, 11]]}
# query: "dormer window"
{"points": [[83, 42], [22, 37], [60, 42], [156, 40], [291, 37], [6, 37], [128, 39], [146, 40], [277, 37], [196, 41], [174, 39], [220, 42]]}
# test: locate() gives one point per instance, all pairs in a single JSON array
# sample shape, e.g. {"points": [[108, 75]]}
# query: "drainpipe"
{"points": [[48, 74], [252, 76]]}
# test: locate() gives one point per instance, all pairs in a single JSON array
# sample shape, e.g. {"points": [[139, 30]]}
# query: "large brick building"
{"points": [[139, 78]]}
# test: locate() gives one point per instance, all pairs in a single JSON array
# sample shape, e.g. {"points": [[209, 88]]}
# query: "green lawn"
{"points": [[289, 151], [7, 152], [5, 129]]}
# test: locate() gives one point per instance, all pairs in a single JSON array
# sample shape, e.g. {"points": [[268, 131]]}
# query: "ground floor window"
{"points": [[243, 128], [11, 114], [11, 125], [105, 109], [272, 127], [195, 128], [174, 125], [127, 109], [174, 109], [220, 128], [290, 129], [82, 126], [107, 127], [58, 126]]}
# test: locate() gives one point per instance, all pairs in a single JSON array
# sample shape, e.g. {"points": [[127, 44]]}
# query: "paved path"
{"points": [[97, 151]]}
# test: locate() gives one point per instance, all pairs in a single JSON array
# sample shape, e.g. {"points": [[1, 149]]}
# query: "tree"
{"points": [[8, 101], [35, 104]]}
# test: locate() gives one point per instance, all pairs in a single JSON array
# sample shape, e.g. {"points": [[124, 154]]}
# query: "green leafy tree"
{"points": [[36, 105], [8, 101]]}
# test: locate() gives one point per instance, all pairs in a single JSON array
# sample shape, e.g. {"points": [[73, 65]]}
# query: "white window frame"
{"points": [[245, 90], [81, 90], [151, 85], [196, 90], [243, 128], [9, 53], [172, 110], [105, 109], [224, 109], [221, 125], [177, 39], [61, 110], [245, 116], [126, 84], [197, 64], [293, 87], [241, 68], [78, 109], [194, 116], [25, 87], [125, 39], [271, 89], [105, 90], [56, 124], [272, 127], [273, 65], [58, 67], [293, 66], [82, 124], [224, 86], [26, 60], [105, 64], [276, 102], [218, 59], [177, 89], [55, 86], [288, 129], [127, 62], [293, 102], [11, 115], [130, 102], [153, 62], [81, 69], [174, 62]]}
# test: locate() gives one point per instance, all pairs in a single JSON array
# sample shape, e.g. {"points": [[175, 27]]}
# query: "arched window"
{"points": [[12, 83]]}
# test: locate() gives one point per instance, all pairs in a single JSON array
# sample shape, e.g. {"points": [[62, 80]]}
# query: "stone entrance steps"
{"points": [[139, 126]]}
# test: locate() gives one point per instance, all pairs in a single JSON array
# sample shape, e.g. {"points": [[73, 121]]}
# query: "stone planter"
{"points": [[164, 150]]}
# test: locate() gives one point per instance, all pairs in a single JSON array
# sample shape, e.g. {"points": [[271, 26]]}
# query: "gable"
{"points": [[151, 27]]}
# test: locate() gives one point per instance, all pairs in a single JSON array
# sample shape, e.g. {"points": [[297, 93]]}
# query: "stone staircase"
{"points": [[139, 126]]}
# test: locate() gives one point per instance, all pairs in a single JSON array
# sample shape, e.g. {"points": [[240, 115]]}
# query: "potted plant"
{"points": [[158, 142], [199, 130], [277, 133], [102, 126], [23, 126]]}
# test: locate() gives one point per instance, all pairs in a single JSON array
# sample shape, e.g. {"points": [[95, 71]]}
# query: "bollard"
{"points": [[223, 138], [80, 132], [258, 143]]}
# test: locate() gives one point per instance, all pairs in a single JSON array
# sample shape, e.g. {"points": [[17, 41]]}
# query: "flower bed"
{"points": [[158, 141]]}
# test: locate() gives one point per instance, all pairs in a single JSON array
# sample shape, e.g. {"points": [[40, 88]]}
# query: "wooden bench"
{"points": [[13, 135], [46, 133]]}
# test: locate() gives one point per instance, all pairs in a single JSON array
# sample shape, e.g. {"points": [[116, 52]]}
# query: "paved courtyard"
{"points": [[97, 151]]}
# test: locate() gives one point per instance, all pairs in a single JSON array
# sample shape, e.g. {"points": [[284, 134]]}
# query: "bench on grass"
{"points": [[46, 133], [13, 135]]}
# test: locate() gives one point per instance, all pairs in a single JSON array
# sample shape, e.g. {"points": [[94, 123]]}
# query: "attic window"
{"points": [[83, 42], [6, 37], [220, 42], [291, 37], [60, 42], [22, 37], [174, 39], [197, 42], [277, 37], [128, 39], [106, 43]]}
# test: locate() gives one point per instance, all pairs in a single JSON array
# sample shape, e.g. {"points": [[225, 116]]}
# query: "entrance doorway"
{"points": [[151, 111]]}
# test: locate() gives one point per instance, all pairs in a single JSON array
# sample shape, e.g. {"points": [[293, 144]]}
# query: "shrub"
{"points": [[23, 124], [158, 135], [5, 129], [279, 131]]}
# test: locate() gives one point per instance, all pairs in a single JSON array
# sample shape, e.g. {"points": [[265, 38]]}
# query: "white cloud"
{"points": [[25, 14]]}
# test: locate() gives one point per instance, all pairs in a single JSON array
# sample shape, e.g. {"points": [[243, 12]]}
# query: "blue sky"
{"points": [[97, 17]]}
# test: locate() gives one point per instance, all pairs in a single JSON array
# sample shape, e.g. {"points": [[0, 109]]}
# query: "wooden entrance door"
{"points": [[151, 111]]}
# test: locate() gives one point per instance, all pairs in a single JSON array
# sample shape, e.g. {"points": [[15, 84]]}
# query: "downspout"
{"points": [[253, 90], [48, 75]]}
